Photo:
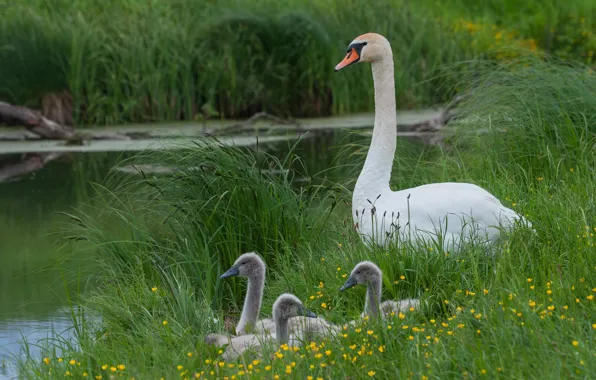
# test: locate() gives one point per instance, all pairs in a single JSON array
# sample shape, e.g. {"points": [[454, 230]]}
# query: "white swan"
{"points": [[436, 211], [369, 274], [285, 307]]}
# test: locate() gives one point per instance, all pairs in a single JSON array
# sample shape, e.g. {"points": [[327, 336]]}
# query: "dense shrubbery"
{"points": [[136, 61]]}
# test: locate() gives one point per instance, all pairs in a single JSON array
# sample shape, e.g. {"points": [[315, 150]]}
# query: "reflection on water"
{"points": [[38, 269], [13, 331]]}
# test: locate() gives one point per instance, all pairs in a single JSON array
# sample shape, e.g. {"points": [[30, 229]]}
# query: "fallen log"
{"points": [[35, 122], [45, 128]]}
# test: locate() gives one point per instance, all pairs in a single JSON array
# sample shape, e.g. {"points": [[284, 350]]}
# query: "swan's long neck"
{"points": [[373, 297], [281, 330], [252, 302], [375, 175]]}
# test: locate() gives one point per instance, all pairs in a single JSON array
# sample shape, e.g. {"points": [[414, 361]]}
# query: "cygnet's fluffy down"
{"points": [[285, 307]]}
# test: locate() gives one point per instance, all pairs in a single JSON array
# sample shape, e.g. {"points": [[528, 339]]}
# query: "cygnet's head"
{"points": [[247, 265], [369, 47], [288, 306], [363, 273]]}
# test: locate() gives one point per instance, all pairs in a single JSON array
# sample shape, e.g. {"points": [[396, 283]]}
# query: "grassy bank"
{"points": [[528, 312], [139, 61]]}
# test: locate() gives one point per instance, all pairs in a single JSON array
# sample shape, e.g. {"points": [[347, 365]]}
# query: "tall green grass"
{"points": [[527, 312], [139, 61]]}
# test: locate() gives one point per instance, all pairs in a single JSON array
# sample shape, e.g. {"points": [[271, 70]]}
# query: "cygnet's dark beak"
{"points": [[348, 284], [233, 271], [307, 313]]}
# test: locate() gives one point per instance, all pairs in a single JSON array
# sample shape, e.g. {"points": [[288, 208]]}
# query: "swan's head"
{"points": [[289, 306], [369, 47], [363, 273], [247, 265]]}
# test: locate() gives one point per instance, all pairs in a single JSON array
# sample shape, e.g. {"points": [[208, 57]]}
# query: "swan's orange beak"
{"points": [[351, 57]]}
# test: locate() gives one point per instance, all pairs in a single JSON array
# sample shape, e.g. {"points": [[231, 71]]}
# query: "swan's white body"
{"points": [[449, 211]]}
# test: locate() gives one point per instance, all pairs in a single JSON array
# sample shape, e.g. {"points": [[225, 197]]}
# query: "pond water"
{"points": [[42, 273]]}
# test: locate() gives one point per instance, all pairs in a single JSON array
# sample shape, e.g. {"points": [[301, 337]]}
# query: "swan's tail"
{"points": [[510, 217]]}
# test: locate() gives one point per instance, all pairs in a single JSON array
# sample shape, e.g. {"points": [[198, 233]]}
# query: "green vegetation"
{"points": [[138, 61], [527, 312]]}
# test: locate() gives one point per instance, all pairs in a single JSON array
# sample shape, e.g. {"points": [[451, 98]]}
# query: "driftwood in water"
{"points": [[243, 126], [35, 122], [436, 123], [45, 128]]}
